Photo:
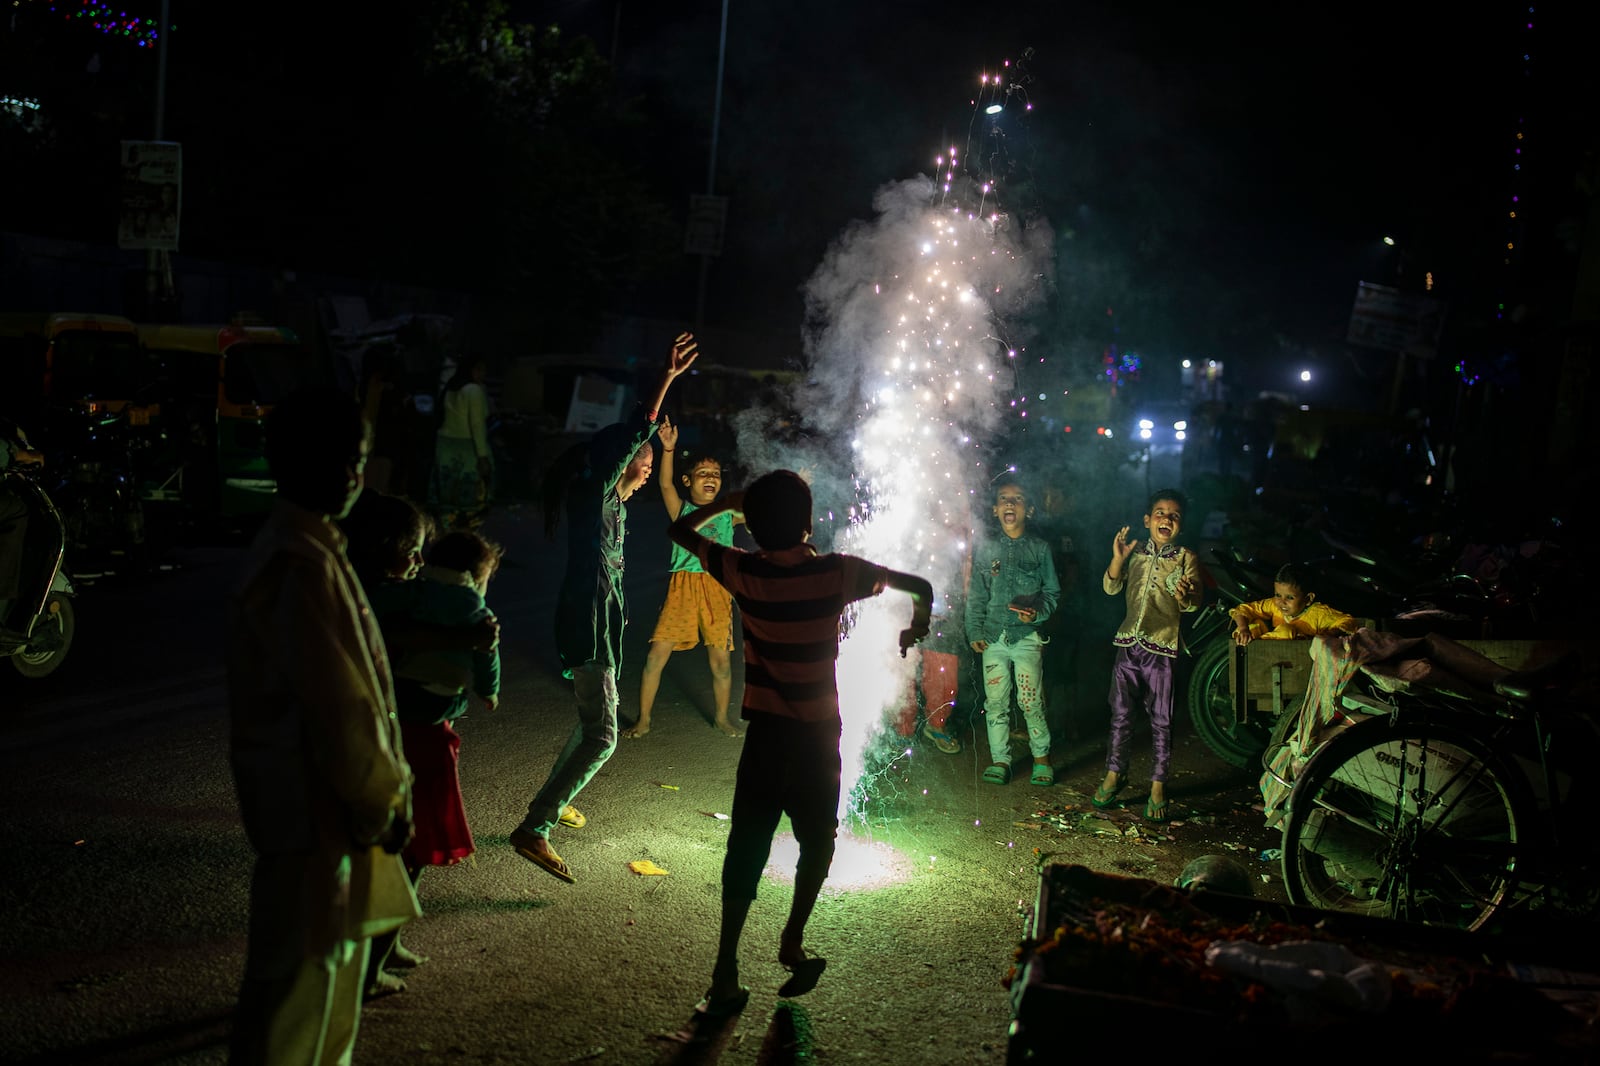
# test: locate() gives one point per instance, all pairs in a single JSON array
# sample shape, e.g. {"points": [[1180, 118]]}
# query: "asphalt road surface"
{"points": [[123, 887]]}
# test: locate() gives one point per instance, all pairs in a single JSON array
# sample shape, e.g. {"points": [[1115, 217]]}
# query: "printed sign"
{"points": [[152, 185], [1399, 321]]}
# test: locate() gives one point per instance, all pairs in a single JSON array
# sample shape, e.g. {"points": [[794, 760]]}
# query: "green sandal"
{"points": [[1105, 797], [942, 740], [1155, 812], [1043, 775], [998, 773]]}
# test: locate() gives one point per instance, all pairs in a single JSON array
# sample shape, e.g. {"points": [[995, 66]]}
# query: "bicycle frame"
{"points": [[1440, 808]]}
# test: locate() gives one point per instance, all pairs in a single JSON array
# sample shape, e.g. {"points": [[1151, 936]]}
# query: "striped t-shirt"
{"points": [[789, 605]]}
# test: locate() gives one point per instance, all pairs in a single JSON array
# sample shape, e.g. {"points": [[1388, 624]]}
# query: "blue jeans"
{"points": [[593, 740], [1023, 658]]}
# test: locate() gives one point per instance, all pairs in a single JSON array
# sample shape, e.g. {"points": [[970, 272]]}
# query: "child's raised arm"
{"points": [[669, 444], [1186, 590], [684, 351]]}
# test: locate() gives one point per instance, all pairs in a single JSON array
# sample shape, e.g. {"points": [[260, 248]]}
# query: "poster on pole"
{"points": [[152, 187], [1399, 321]]}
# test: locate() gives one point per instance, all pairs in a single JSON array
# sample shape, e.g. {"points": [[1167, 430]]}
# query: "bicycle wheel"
{"points": [[1418, 821], [1210, 699]]}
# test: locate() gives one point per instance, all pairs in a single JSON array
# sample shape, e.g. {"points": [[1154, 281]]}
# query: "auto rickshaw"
{"points": [[67, 359], [221, 382]]}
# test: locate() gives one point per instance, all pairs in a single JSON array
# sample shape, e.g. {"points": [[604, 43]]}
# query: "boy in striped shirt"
{"points": [[790, 599]]}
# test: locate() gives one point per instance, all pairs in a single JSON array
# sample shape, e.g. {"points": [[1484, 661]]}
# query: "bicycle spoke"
{"points": [[1413, 826]]}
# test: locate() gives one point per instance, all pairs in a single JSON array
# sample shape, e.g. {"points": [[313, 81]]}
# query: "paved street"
{"points": [[124, 888]]}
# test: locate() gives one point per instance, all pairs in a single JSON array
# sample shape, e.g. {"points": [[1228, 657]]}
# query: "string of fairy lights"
{"points": [[112, 20], [1514, 227]]}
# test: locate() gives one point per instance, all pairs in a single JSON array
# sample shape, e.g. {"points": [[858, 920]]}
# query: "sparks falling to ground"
{"points": [[911, 375]]}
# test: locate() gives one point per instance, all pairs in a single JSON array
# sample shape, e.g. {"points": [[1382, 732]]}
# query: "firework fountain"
{"points": [[912, 373]]}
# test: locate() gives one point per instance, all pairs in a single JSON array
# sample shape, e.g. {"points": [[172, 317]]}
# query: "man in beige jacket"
{"points": [[323, 786]]}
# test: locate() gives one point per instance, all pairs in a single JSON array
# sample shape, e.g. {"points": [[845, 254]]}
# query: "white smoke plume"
{"points": [[908, 380]]}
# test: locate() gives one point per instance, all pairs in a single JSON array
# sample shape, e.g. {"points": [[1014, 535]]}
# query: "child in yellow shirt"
{"points": [[1292, 613]]}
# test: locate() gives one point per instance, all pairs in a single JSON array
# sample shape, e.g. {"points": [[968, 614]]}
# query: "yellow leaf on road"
{"points": [[646, 867]]}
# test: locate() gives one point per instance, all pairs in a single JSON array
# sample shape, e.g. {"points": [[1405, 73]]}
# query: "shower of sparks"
{"points": [[858, 865], [910, 377], [932, 383]]}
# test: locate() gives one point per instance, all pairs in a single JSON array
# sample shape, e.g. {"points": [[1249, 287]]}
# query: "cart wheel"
{"points": [[1210, 698]]}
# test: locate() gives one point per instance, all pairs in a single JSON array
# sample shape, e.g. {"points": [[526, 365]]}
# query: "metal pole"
{"points": [[711, 164], [716, 107], [616, 34], [161, 70], [153, 256]]}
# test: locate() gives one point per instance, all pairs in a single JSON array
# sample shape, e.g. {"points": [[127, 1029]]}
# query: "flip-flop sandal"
{"points": [[1043, 774], [1105, 797], [723, 1008], [941, 740], [1156, 812], [803, 976], [571, 816], [546, 860], [997, 774]]}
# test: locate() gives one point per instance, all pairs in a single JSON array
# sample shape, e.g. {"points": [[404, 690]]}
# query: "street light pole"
{"points": [[711, 166], [161, 71], [156, 263]]}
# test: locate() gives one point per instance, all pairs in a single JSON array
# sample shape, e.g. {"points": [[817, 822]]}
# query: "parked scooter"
{"points": [[96, 490], [37, 624]]}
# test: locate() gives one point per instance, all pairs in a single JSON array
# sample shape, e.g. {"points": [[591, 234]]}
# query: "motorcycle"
{"points": [[37, 632], [97, 493]]}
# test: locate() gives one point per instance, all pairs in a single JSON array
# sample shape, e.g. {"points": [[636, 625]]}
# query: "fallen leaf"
{"points": [[647, 868]]}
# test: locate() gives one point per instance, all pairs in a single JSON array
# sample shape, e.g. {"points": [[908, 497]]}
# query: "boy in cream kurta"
{"points": [[323, 786], [1163, 584]]}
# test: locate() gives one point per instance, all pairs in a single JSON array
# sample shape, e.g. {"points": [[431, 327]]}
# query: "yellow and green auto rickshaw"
{"points": [[68, 359], [220, 383]]}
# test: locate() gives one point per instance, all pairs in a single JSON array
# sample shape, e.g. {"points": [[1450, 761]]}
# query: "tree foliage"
{"points": [[434, 142]]}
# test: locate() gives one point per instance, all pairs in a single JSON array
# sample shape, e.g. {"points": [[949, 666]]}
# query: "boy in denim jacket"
{"points": [[1013, 594]]}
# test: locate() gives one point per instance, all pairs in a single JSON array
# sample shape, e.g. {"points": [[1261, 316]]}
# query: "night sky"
{"points": [[1220, 180], [1264, 153]]}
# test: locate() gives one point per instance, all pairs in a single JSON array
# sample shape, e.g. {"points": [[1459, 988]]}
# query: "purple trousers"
{"points": [[1141, 678]]}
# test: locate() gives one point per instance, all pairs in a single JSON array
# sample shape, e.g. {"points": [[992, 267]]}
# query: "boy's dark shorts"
{"points": [[787, 767]]}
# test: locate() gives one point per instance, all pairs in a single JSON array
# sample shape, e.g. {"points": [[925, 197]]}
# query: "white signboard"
{"points": [[596, 402], [1396, 320]]}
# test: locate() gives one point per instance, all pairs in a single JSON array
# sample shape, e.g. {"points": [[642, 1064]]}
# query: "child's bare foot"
{"points": [[804, 968], [726, 997], [727, 727], [791, 949], [640, 728]]}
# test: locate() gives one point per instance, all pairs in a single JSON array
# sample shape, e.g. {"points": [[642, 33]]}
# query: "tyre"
{"points": [[52, 640], [1210, 699], [1417, 822]]}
